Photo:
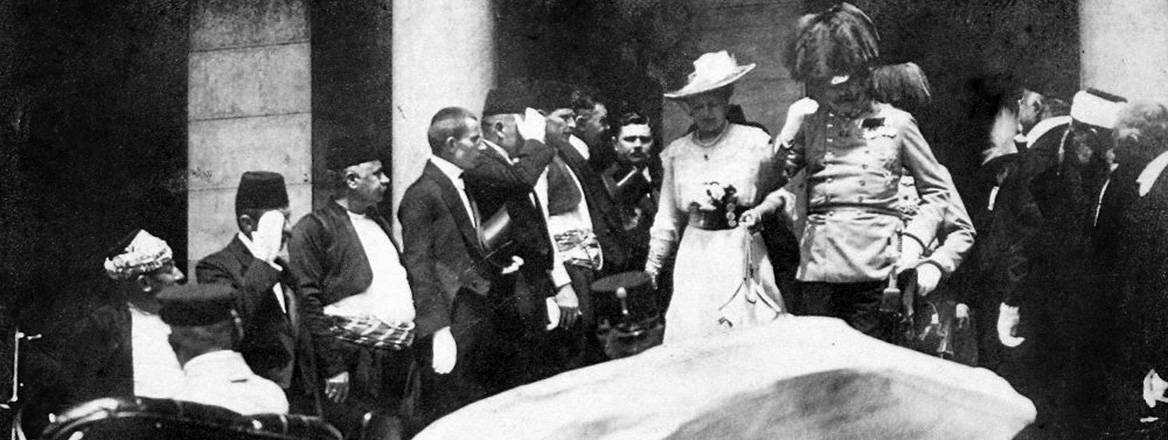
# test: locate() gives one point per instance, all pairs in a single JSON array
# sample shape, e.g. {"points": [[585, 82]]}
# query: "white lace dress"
{"points": [[712, 264]]}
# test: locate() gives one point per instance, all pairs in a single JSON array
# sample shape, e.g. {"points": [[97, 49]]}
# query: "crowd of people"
{"points": [[521, 208]]}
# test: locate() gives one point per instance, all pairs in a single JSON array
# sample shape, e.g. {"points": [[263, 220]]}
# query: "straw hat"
{"points": [[711, 71]]}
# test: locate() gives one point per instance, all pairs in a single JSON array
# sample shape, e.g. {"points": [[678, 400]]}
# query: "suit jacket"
{"points": [[499, 185], [274, 342], [607, 223], [329, 264], [101, 362], [443, 254]]}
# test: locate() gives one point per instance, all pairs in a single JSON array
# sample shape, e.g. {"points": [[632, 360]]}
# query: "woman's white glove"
{"points": [[1008, 318], [268, 237], [533, 127], [796, 113]]}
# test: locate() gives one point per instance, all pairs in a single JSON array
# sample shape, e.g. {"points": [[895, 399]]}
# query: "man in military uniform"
{"points": [[854, 151]]}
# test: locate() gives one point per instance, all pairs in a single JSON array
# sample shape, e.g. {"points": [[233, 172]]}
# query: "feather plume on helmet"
{"points": [[903, 83], [839, 41]]}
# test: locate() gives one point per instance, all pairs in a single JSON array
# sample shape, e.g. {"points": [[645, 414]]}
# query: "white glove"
{"points": [[928, 277], [1154, 388], [961, 312], [516, 263], [553, 311], [533, 126], [1008, 318], [269, 235], [798, 111], [445, 351]]}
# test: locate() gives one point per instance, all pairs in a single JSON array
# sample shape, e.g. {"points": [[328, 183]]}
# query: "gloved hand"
{"points": [[750, 218], [336, 388], [1008, 318], [961, 312], [1154, 388], [516, 263], [910, 255], [569, 305], [796, 113], [445, 351], [553, 311], [928, 277], [268, 237], [533, 126]]}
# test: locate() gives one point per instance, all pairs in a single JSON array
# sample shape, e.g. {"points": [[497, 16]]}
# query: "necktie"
{"points": [[476, 222]]}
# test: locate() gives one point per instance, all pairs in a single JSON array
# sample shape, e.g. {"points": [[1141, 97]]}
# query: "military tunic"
{"points": [[222, 378]]}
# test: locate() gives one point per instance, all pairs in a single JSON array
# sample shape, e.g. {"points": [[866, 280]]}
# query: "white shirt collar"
{"points": [[247, 243], [1151, 173], [500, 150], [452, 171], [579, 145]]}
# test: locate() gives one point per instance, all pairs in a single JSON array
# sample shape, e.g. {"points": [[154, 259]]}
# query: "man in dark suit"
{"points": [[274, 345], [449, 271], [503, 181]]}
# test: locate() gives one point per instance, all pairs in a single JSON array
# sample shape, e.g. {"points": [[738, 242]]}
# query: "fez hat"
{"points": [[348, 151], [712, 71], [552, 95], [193, 305], [512, 98], [1097, 108], [261, 190]]}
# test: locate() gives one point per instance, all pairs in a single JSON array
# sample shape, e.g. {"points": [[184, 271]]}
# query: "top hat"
{"points": [[712, 71]]}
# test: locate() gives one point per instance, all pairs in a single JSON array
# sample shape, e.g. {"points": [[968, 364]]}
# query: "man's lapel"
{"points": [[453, 201]]}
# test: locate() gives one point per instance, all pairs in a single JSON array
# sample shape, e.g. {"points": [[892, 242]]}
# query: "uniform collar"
{"points": [[452, 171]]}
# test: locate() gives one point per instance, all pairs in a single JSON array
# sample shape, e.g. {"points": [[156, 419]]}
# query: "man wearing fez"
{"points": [[354, 294], [273, 344], [584, 225], [204, 331], [121, 349], [503, 183]]}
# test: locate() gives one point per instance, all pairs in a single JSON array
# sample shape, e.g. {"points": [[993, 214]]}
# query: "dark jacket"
{"points": [[443, 255], [328, 263], [101, 362], [275, 344]]}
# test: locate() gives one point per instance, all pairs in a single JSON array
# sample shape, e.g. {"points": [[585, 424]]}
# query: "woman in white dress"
{"points": [[722, 279]]}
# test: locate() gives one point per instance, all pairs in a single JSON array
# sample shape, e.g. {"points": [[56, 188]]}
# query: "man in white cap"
{"points": [[1048, 209], [121, 349]]}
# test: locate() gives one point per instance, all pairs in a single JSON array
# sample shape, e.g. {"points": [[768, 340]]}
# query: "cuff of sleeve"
{"points": [[946, 267], [560, 276], [916, 238]]}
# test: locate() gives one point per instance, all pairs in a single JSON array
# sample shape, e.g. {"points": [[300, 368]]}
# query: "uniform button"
{"points": [[829, 179], [861, 183], [829, 125], [864, 166], [829, 140]]}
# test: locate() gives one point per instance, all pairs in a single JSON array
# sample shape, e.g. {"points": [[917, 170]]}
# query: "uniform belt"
{"points": [[853, 207], [716, 220]]}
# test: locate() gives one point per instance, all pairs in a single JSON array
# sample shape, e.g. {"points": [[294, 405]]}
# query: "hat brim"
{"points": [[694, 88]]}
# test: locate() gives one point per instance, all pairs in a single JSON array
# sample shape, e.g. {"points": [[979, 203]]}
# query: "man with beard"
{"points": [[1048, 208]]}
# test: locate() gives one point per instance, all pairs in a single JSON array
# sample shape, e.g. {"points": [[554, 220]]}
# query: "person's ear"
{"points": [[497, 128], [144, 283], [352, 179], [450, 141], [247, 224]]}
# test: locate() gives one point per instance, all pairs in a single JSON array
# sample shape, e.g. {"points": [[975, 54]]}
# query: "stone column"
{"points": [[249, 108], [443, 55], [1123, 49]]}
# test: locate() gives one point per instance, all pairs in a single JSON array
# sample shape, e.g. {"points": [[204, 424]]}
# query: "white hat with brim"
{"points": [[712, 71], [1095, 109]]}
